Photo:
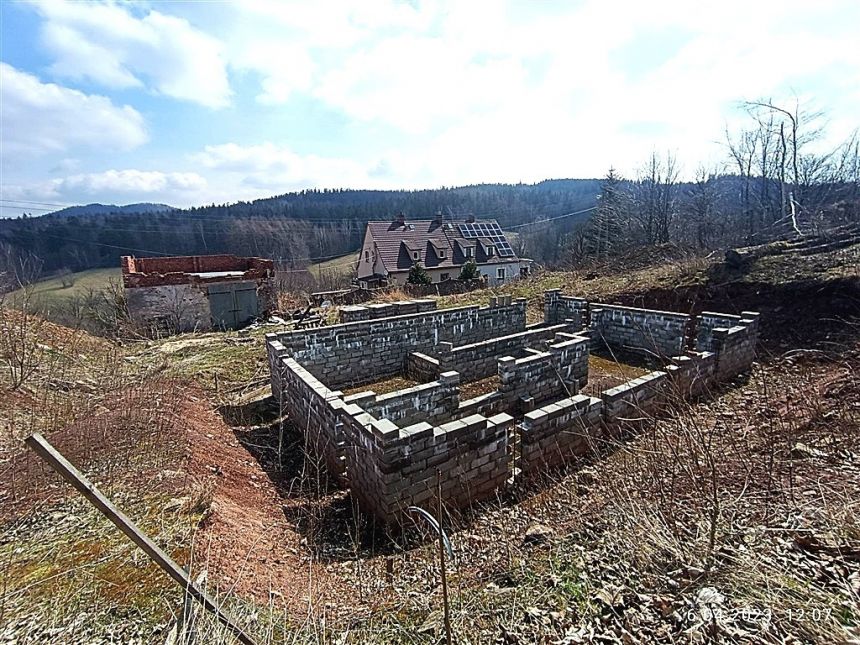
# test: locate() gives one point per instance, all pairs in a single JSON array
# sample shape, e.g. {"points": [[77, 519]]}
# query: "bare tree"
{"points": [[654, 197]]}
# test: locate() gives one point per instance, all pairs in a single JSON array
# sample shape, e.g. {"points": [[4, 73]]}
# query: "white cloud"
{"points": [[40, 118], [107, 44], [277, 168], [114, 186]]}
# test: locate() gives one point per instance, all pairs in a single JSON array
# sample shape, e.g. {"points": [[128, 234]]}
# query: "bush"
{"points": [[417, 275], [469, 271]]}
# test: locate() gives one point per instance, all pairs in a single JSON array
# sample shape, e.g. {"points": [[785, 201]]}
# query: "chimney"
{"points": [[470, 219], [400, 218], [437, 219]]}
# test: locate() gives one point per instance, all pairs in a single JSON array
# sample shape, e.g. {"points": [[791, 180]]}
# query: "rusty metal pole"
{"points": [[72, 475]]}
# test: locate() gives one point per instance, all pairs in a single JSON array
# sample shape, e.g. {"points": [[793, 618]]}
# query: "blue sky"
{"points": [[192, 103]]}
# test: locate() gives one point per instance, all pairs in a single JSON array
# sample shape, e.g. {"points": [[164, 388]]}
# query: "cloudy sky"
{"points": [[190, 103]]}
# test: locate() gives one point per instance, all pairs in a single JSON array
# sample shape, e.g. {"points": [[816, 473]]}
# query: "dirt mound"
{"points": [[166, 436], [248, 545]]}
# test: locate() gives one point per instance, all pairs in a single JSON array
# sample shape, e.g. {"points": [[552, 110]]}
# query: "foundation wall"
{"points": [[316, 411], [391, 468], [657, 333], [430, 402], [560, 431], [637, 400], [362, 352], [558, 372], [393, 449], [558, 309], [356, 313], [479, 360]]}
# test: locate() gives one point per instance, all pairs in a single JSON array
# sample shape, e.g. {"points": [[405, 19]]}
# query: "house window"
{"points": [[468, 251], [444, 276], [491, 251], [500, 273], [442, 253], [367, 256], [415, 255]]}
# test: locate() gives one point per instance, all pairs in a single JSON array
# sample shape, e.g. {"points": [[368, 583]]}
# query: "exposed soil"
{"points": [[246, 542]]}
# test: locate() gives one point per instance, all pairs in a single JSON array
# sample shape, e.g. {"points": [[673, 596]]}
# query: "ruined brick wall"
{"points": [[391, 468], [365, 351], [355, 313], [558, 432], [173, 308], [558, 309], [479, 360], [660, 333], [166, 294]]}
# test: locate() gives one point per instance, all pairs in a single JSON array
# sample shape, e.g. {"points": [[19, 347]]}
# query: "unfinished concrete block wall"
{"points": [[315, 410], [543, 375], [361, 352], [355, 313], [393, 448], [636, 400], [657, 333], [692, 374], [426, 402], [558, 309], [392, 468], [422, 368], [560, 431], [479, 360]]}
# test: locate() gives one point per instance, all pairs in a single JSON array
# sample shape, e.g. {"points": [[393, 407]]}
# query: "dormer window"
{"points": [[491, 251], [441, 253], [367, 256], [468, 251], [416, 255]]}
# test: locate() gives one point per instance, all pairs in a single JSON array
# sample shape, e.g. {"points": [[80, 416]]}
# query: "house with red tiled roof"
{"points": [[442, 247]]}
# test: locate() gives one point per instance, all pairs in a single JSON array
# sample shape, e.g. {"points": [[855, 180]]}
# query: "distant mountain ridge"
{"points": [[105, 209]]}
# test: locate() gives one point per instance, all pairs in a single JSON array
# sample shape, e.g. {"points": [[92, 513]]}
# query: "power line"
{"points": [[552, 219], [27, 201]]}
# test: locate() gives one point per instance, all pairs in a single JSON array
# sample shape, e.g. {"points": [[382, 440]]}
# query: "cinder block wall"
{"points": [[558, 309], [355, 313], [391, 468], [558, 432], [555, 373], [362, 352], [479, 360], [431, 402], [636, 400], [692, 374], [659, 333], [315, 410]]}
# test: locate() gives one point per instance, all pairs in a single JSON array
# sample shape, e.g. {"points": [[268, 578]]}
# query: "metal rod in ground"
{"points": [[442, 563], [46, 451]]}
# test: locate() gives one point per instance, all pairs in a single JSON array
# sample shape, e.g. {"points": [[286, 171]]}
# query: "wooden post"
{"points": [[73, 476]]}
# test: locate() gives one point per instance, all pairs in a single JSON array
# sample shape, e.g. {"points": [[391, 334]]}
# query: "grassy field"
{"points": [[53, 291], [344, 264]]}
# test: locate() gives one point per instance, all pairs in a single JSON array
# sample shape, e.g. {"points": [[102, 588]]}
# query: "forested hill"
{"points": [[295, 228]]}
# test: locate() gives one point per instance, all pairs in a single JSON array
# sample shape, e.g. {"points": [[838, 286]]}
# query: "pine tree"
{"points": [[469, 271], [417, 275], [605, 230]]}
